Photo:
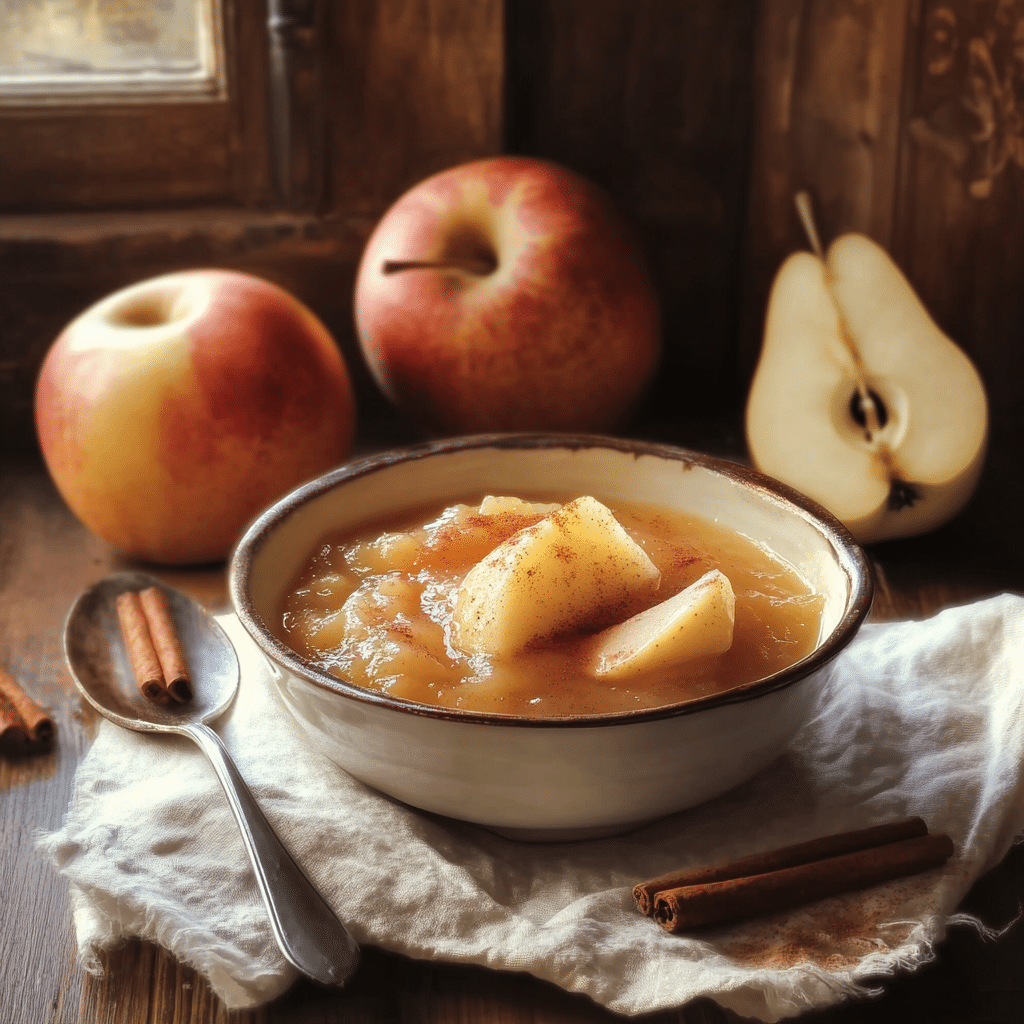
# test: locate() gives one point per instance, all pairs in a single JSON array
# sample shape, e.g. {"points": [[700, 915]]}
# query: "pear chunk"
{"points": [[576, 569], [695, 623], [860, 400]]}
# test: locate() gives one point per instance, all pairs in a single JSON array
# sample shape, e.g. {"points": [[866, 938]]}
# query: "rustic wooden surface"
{"points": [[46, 557]]}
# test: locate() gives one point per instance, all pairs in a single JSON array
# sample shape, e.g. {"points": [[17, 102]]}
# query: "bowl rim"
{"points": [[851, 558]]}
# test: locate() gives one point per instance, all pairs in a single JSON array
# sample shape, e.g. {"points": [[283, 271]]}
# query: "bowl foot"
{"points": [[566, 835]]}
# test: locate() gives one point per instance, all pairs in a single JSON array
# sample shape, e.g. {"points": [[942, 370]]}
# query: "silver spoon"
{"points": [[307, 930]]}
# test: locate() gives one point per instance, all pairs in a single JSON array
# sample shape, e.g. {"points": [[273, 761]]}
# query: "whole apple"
{"points": [[171, 412], [507, 294]]}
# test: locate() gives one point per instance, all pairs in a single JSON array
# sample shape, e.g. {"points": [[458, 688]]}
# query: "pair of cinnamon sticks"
{"points": [[791, 876], [158, 660], [24, 726]]}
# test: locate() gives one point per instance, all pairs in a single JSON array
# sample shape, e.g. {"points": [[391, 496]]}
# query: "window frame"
{"points": [[146, 151]]}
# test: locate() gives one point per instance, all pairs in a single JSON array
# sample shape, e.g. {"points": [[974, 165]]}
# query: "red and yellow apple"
{"points": [[507, 294], [174, 410]]}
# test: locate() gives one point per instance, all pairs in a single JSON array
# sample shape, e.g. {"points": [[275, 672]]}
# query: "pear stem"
{"points": [[806, 214], [868, 402]]}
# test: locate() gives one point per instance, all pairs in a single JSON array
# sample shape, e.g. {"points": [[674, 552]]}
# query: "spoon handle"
{"points": [[309, 933]]}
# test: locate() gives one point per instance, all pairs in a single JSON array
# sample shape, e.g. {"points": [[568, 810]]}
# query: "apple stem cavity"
{"points": [[149, 307], [480, 266], [467, 250]]}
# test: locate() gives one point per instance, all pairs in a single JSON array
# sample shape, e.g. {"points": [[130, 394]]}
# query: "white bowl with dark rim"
{"points": [[550, 778]]}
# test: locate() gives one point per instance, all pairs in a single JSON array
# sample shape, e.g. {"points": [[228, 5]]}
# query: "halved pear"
{"points": [[695, 623], [847, 328], [576, 569]]}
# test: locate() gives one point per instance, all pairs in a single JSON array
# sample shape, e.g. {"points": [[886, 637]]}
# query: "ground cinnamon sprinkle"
{"points": [[835, 933], [496, 528], [683, 557]]}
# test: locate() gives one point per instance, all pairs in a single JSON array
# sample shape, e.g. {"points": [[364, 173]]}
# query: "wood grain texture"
{"points": [[829, 82], [903, 120], [46, 557], [652, 101], [413, 86], [64, 160], [961, 230]]}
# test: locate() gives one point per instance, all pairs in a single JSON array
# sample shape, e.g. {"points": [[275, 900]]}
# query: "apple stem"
{"points": [[470, 265], [868, 401]]}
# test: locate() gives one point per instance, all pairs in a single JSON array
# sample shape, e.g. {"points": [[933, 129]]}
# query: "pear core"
{"points": [[842, 326], [575, 569]]}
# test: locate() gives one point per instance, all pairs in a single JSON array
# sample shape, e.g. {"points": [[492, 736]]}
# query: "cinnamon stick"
{"points": [[138, 641], [177, 677], [24, 725], [772, 860], [717, 903]]}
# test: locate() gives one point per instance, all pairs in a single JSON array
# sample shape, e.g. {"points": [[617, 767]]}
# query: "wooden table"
{"points": [[46, 558]]}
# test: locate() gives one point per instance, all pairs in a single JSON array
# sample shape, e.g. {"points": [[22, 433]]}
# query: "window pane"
{"points": [[97, 49]]}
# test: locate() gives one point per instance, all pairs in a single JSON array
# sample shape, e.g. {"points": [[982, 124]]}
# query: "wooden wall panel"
{"points": [[962, 222], [905, 120], [412, 87], [653, 101], [829, 80], [94, 158]]}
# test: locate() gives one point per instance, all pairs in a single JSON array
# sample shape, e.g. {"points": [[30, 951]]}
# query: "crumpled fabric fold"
{"points": [[913, 718]]}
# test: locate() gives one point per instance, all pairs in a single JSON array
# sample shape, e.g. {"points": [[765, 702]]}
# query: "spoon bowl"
{"points": [[306, 929], [98, 658]]}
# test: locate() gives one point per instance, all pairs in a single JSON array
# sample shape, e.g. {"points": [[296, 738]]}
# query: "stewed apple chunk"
{"points": [[575, 570], [697, 622]]}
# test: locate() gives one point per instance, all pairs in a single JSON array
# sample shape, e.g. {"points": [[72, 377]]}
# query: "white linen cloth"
{"points": [[918, 718]]}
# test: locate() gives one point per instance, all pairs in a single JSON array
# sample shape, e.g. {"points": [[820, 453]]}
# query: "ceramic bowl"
{"points": [[559, 778]]}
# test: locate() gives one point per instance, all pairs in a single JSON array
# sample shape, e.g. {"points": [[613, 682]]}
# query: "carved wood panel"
{"points": [[905, 120]]}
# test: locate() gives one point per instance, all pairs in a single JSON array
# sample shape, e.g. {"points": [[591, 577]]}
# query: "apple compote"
{"points": [[548, 609]]}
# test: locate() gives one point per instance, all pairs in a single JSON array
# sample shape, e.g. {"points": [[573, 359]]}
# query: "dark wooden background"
{"points": [[652, 100], [902, 117]]}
